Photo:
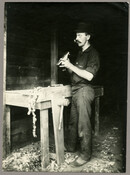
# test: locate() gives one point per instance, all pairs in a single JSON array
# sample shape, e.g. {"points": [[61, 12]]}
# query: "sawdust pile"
{"points": [[107, 156]]}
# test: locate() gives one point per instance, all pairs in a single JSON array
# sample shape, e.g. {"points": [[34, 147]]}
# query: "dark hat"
{"points": [[84, 27]]}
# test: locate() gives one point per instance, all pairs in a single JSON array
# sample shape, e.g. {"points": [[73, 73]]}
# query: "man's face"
{"points": [[81, 39]]}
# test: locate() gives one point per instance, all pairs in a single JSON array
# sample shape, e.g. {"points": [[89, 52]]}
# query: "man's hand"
{"points": [[64, 58], [64, 63]]}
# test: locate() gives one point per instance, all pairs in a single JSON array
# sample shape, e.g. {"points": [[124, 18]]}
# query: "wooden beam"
{"points": [[6, 132], [59, 135], [44, 134], [6, 111], [54, 56]]}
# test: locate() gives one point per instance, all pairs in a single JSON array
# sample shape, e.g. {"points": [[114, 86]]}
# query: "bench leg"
{"points": [[59, 137], [44, 138], [97, 116], [6, 132]]}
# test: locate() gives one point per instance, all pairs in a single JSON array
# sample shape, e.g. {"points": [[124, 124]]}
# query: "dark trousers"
{"points": [[80, 125]]}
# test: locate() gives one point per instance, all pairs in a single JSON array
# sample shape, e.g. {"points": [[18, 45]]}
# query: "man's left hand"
{"points": [[65, 63]]}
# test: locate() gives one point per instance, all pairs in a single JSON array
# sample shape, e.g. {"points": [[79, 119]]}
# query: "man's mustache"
{"points": [[76, 41]]}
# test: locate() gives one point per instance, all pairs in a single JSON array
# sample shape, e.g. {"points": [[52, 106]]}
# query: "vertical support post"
{"points": [[59, 136], [54, 56], [97, 116], [44, 134], [6, 109], [6, 132], [4, 54]]}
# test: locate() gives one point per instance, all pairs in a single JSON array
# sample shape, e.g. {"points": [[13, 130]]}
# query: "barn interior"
{"points": [[38, 34]]}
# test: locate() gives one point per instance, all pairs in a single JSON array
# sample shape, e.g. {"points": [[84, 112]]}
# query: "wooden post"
{"points": [[54, 56], [96, 116], [59, 136], [44, 138], [5, 50], [6, 132], [6, 110]]}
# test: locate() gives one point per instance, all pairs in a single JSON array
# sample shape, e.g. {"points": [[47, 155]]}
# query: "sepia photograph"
{"points": [[65, 87]]}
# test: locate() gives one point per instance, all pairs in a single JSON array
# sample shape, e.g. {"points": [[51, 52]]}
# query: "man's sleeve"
{"points": [[93, 63]]}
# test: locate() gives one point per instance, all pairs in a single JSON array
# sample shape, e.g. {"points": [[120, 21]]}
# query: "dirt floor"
{"points": [[108, 152]]}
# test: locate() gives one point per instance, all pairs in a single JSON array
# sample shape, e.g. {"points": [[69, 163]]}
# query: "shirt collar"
{"points": [[86, 50]]}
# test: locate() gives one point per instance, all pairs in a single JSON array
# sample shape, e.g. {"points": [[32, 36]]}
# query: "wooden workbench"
{"points": [[48, 97]]}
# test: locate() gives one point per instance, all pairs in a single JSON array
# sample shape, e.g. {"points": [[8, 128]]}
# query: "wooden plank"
{"points": [[59, 136], [6, 132], [54, 57], [96, 116], [21, 97], [5, 55], [46, 93], [4, 112], [16, 99], [44, 138], [44, 105], [20, 100]]}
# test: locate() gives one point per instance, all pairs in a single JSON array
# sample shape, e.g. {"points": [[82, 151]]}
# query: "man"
{"points": [[83, 73]]}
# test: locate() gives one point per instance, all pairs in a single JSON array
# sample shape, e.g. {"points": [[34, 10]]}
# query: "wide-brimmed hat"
{"points": [[84, 27]]}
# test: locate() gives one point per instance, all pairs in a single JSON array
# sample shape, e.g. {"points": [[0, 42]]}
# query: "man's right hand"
{"points": [[65, 57]]}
